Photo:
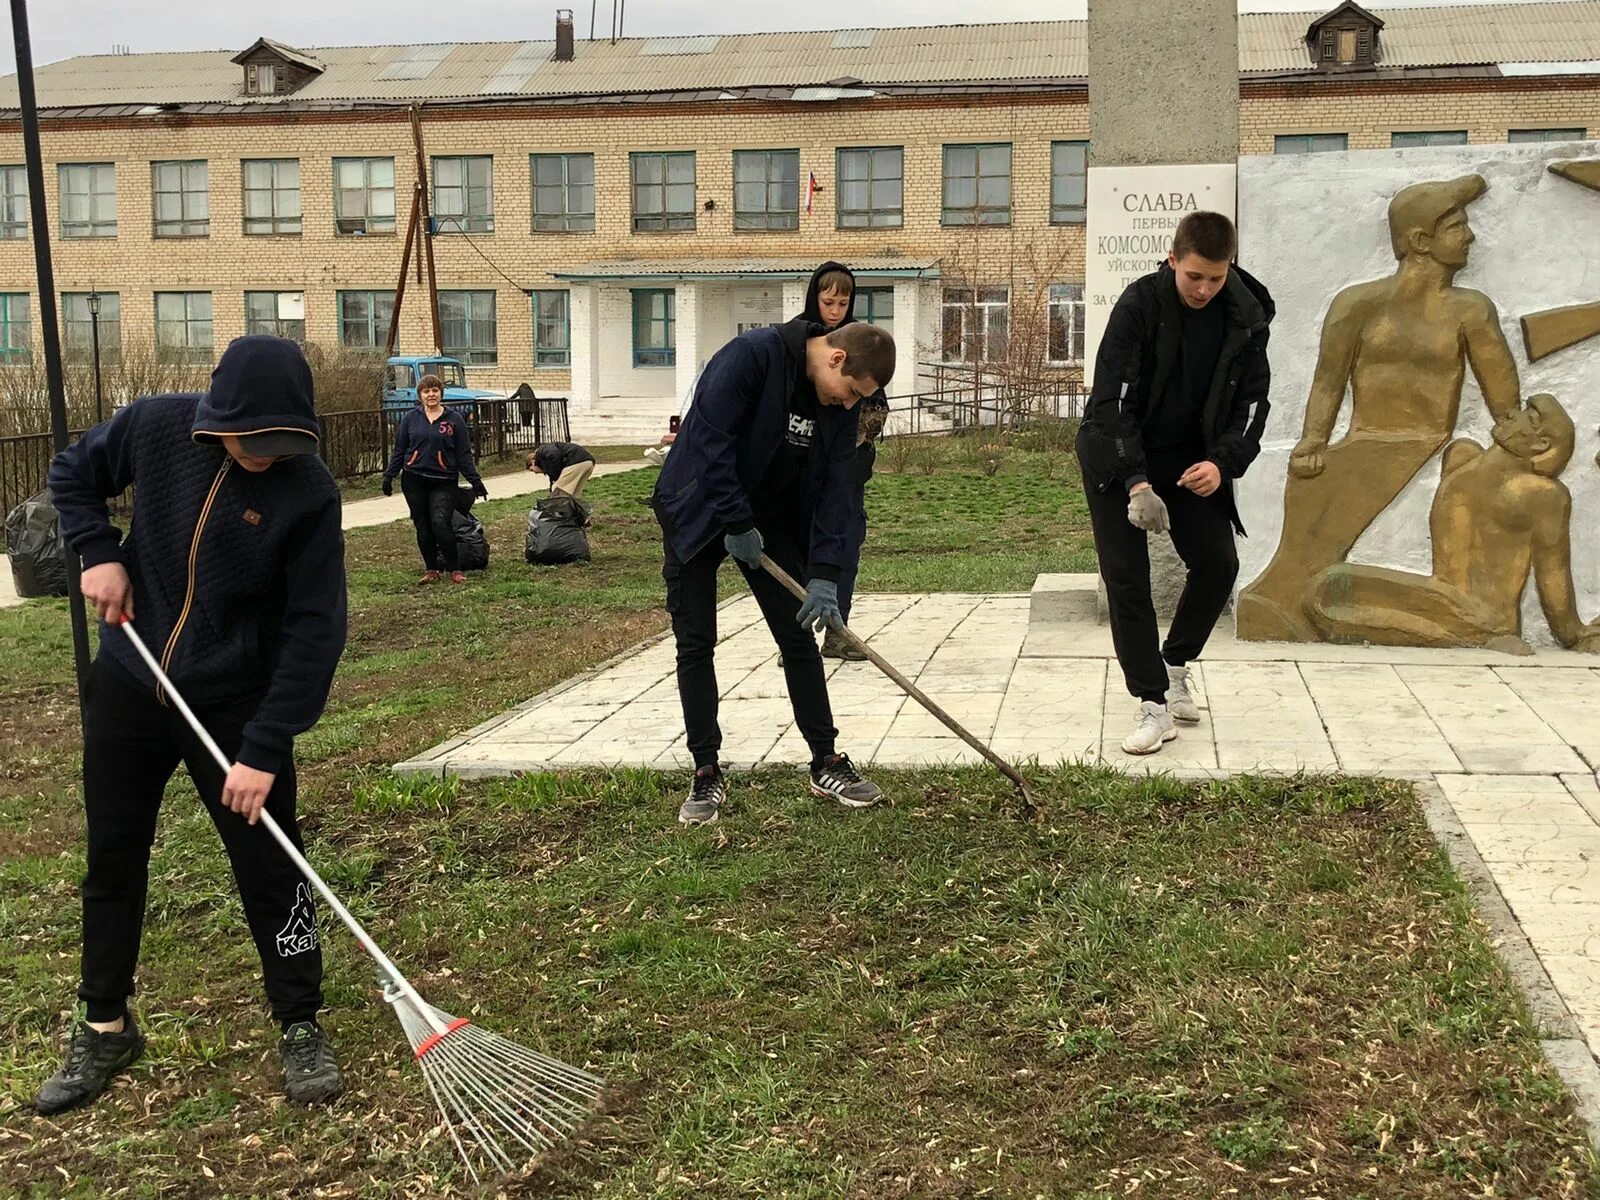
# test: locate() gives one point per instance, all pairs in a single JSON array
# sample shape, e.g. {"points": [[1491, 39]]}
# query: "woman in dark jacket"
{"points": [[431, 447], [831, 302]]}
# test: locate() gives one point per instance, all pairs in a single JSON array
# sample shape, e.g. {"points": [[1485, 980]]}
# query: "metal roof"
{"points": [[1030, 54], [741, 268]]}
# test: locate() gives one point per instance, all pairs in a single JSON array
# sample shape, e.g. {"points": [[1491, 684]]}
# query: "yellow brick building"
{"points": [[608, 214]]}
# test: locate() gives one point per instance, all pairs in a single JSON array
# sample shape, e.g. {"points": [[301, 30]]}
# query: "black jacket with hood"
{"points": [[866, 452], [238, 577], [1137, 355]]}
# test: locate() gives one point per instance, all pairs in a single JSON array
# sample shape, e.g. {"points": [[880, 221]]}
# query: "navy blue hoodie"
{"points": [[733, 430], [434, 449], [238, 576]]}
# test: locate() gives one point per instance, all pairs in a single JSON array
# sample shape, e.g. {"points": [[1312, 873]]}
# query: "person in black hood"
{"points": [[1175, 415], [764, 463], [236, 564], [831, 302]]}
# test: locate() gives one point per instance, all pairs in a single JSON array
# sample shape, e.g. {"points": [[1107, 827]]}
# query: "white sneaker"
{"points": [[1179, 702], [1155, 730]]}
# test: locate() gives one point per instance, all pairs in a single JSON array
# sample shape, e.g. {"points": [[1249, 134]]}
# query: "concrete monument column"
{"points": [[1163, 97]]}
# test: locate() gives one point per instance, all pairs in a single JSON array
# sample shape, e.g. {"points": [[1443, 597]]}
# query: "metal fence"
{"points": [[991, 405], [354, 443]]}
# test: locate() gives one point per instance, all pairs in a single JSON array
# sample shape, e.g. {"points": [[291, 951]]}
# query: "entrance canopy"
{"points": [[741, 269]]}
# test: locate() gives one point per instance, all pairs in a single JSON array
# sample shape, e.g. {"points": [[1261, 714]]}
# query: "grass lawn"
{"points": [[1252, 988]]}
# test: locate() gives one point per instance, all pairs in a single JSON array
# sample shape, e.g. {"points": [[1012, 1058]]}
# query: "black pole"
{"points": [[94, 335], [47, 307]]}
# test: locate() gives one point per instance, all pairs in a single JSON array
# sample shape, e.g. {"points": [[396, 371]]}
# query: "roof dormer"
{"points": [[1346, 37], [273, 69]]}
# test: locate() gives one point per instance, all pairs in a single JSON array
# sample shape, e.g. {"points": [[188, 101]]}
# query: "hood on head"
{"points": [[261, 385], [813, 310]]}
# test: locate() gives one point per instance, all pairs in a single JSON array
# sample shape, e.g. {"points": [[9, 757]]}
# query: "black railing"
{"points": [[354, 443], [990, 405]]}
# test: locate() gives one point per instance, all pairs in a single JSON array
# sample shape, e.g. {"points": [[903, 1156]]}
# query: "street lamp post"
{"points": [[94, 338]]}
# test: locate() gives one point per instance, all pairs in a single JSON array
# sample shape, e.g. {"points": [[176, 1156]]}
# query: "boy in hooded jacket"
{"points": [[831, 302], [236, 564], [765, 462]]}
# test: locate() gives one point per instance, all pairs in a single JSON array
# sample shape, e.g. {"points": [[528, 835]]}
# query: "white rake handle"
{"points": [[354, 926]]}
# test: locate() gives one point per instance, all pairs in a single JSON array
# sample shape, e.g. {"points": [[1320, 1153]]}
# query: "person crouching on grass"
{"points": [[237, 571], [765, 460], [431, 446]]}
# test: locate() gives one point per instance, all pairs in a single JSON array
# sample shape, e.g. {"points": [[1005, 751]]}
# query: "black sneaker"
{"points": [[836, 778], [705, 798], [310, 1072], [92, 1059]]}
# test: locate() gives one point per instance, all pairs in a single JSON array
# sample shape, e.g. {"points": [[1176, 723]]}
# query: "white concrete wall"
{"points": [[1313, 224], [618, 375]]}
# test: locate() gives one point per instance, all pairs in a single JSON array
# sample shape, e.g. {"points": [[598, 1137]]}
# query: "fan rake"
{"points": [[492, 1094]]}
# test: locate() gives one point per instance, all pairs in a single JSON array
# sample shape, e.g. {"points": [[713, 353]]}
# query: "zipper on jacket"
{"points": [[194, 557]]}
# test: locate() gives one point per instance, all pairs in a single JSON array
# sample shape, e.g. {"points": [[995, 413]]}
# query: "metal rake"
{"points": [[492, 1094]]}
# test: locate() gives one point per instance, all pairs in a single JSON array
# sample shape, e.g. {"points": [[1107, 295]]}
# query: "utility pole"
{"points": [[426, 227]]}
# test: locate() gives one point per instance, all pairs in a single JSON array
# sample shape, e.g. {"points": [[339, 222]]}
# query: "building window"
{"points": [[871, 187], [183, 327], [363, 195], [977, 325], [77, 327], [977, 185], [265, 79], [1069, 183], [663, 192], [463, 194], [563, 193], [282, 314], [552, 330], [1435, 137], [364, 319], [181, 200], [466, 323], [16, 345], [88, 200], [766, 189], [271, 195], [1310, 143], [13, 202], [875, 306], [1518, 135], [1066, 324], [655, 328]]}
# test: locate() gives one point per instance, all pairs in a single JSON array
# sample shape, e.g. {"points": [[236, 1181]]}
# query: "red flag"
{"points": [[812, 188]]}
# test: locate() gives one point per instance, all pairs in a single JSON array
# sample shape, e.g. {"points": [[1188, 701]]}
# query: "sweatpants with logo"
{"points": [[132, 744], [692, 602]]}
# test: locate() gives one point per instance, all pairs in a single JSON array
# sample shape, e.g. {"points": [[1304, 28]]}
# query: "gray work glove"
{"points": [[1147, 511], [821, 609], [746, 546]]}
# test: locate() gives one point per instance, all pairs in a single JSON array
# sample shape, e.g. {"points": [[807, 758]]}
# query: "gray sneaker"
{"points": [[1155, 730], [835, 778], [1180, 703], [310, 1072], [93, 1058], [706, 797]]}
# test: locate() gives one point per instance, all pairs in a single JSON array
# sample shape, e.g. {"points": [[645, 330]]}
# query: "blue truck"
{"points": [[401, 373]]}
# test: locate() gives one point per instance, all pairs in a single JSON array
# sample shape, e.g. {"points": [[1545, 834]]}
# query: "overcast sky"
{"points": [[64, 28]]}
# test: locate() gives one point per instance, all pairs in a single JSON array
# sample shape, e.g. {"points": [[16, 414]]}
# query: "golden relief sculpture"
{"points": [[1543, 333], [1402, 346], [1500, 514]]}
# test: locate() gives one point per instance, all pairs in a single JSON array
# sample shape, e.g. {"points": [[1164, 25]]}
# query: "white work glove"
{"points": [[1147, 511]]}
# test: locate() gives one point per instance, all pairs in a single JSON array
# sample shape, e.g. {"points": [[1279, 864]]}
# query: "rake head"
{"points": [[501, 1103]]}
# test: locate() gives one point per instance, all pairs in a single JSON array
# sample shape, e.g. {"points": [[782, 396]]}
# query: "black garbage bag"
{"points": [[555, 531], [472, 543], [37, 550]]}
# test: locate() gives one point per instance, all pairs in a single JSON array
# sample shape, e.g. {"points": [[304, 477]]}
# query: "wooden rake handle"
{"points": [[1029, 810]]}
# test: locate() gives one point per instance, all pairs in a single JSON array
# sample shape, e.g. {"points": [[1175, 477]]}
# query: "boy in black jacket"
{"points": [[766, 460], [1175, 415], [237, 571]]}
